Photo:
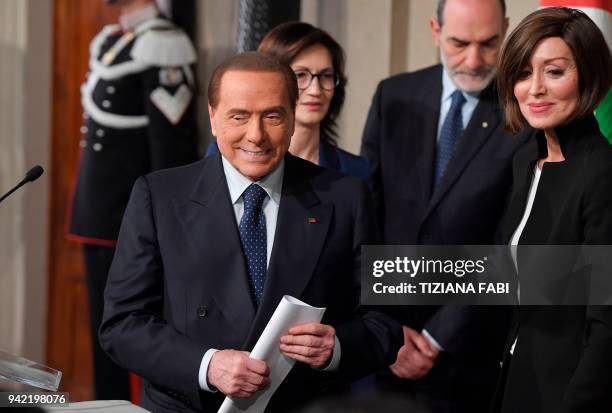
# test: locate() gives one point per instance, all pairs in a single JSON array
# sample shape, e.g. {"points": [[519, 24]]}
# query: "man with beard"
{"points": [[441, 171]]}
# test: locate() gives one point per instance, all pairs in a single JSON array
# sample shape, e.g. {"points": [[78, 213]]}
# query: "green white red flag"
{"points": [[600, 11]]}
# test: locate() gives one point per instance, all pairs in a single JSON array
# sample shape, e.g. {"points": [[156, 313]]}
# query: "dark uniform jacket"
{"points": [[139, 117]]}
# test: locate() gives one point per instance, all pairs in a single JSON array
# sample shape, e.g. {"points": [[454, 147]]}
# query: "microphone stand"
{"points": [[30, 176], [19, 369]]}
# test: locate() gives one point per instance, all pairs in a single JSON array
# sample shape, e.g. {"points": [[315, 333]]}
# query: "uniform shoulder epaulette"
{"points": [[164, 47], [96, 42]]}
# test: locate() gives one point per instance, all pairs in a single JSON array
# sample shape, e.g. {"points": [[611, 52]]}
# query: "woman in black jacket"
{"points": [[553, 71]]}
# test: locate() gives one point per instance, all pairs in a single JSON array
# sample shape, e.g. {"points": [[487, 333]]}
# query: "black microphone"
{"points": [[32, 175]]}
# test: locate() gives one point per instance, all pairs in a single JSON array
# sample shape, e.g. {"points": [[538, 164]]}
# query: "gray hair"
{"points": [[442, 3]]}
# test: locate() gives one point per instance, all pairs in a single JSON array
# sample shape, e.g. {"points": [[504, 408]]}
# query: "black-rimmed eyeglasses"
{"points": [[328, 80]]}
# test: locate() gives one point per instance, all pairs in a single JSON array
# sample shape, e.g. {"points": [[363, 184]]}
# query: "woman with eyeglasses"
{"points": [[318, 62]]}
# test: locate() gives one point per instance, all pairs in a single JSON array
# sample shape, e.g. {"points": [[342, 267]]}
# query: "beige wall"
{"points": [[25, 47], [217, 31], [381, 38]]}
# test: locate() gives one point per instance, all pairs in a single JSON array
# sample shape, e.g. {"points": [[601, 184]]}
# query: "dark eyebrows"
{"points": [[238, 111], [304, 68], [552, 59], [457, 40], [491, 39], [486, 41]]}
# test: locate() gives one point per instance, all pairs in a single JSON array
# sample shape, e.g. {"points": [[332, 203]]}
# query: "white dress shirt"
{"points": [[273, 185], [516, 237], [533, 188], [448, 88]]}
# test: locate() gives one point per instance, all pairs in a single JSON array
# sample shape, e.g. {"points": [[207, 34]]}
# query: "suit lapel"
{"points": [[301, 231], [210, 223], [483, 123], [429, 107]]}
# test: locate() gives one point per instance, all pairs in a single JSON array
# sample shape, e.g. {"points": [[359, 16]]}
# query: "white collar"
{"points": [[449, 87], [237, 183]]}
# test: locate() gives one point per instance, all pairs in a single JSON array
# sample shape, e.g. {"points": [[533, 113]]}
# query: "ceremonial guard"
{"points": [[139, 116]]}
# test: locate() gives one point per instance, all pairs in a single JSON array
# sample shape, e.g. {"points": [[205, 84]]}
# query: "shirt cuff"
{"points": [[203, 373], [334, 363], [432, 340]]}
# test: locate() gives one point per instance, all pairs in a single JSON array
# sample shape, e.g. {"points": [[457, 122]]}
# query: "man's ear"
{"points": [[435, 28], [505, 27], [211, 115]]}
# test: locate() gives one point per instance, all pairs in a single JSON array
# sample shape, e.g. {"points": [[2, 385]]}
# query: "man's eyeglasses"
{"points": [[328, 80]]}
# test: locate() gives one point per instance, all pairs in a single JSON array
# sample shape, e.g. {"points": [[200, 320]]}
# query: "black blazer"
{"points": [[563, 358], [179, 286], [399, 142]]}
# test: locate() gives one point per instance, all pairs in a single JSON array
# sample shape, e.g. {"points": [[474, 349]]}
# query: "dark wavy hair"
{"points": [[287, 40], [588, 47]]}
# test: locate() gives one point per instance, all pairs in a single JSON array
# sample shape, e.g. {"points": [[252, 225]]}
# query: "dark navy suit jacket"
{"points": [[178, 285], [399, 142]]}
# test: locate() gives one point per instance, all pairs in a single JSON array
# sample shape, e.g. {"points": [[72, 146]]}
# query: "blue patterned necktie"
{"points": [[451, 131], [253, 237]]}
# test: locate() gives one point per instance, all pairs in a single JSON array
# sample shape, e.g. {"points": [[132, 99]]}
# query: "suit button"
{"points": [[202, 311], [83, 130], [97, 147], [106, 104], [83, 143], [100, 133], [110, 90]]}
